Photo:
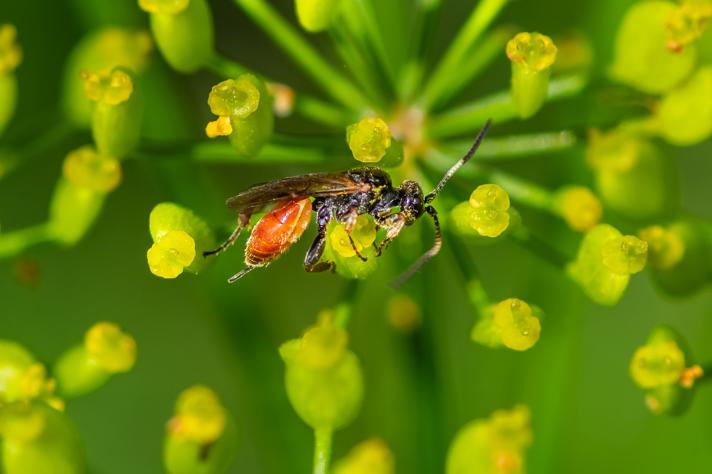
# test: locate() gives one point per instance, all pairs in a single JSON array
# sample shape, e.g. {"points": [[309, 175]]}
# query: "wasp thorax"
{"points": [[412, 203]]}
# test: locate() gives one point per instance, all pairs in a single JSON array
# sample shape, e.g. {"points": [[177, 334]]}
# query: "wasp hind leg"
{"points": [[242, 222], [240, 274], [311, 260]]}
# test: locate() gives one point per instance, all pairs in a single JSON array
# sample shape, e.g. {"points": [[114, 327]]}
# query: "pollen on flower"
{"points": [[625, 255], [85, 168], [169, 255], [690, 375], [369, 139], [534, 51], [369, 457], [579, 207], [10, 52], [110, 347], [199, 416], [491, 205], [169, 7], [665, 247], [686, 23], [324, 345], [237, 98], [111, 87], [220, 127], [519, 327]]}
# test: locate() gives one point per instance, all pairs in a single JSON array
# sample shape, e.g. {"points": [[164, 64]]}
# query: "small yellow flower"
{"points": [[491, 205], [625, 255], [665, 248], [10, 52], [110, 348], [615, 151], [111, 87], [168, 7], [580, 208], [199, 416], [369, 139], [533, 50], [519, 328], [220, 127], [85, 168], [686, 23], [234, 98], [403, 313], [324, 345], [363, 235], [171, 253], [369, 457], [657, 363]]}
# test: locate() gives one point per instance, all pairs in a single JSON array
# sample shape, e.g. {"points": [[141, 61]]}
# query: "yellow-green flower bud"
{"points": [[686, 23], [43, 441], [490, 216], [369, 457], [323, 378], [519, 326], [625, 255], [579, 207], [403, 313], [21, 377], [85, 168], [106, 351], [179, 240], [73, 210], [684, 116], [339, 250], [184, 33], [200, 436], [10, 58], [316, 15], [680, 255], [116, 120], [641, 58], [633, 177], [531, 55], [605, 260], [495, 446], [244, 110], [369, 139], [658, 363], [101, 50]]}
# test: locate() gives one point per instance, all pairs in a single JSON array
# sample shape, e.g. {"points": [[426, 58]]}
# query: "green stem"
{"points": [[499, 107], [15, 242], [303, 54], [322, 450], [309, 107], [480, 19], [540, 248], [514, 146], [465, 263], [470, 67], [348, 301], [48, 142]]}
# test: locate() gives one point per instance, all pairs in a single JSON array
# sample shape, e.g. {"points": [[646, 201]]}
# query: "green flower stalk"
{"points": [[179, 240], [200, 437], [10, 58], [244, 110], [659, 368], [101, 50], [106, 351], [641, 57], [532, 55], [183, 30], [372, 456], [605, 261], [116, 119], [492, 446], [511, 323]]}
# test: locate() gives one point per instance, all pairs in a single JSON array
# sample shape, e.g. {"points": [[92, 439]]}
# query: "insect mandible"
{"points": [[339, 195]]}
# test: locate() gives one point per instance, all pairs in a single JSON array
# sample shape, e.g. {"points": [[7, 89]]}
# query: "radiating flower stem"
{"points": [[540, 248], [482, 16], [514, 146], [14, 242], [303, 54], [499, 107], [49, 141], [322, 450], [309, 107]]}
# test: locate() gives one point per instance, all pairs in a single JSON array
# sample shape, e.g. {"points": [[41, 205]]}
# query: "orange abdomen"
{"points": [[277, 231]]}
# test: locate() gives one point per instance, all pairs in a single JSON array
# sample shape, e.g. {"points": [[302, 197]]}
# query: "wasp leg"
{"points": [[240, 274], [393, 224], [349, 224], [311, 261], [242, 222]]}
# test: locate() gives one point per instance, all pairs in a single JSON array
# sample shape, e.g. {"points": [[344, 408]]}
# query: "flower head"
{"points": [[368, 457], [369, 139], [536, 52], [110, 347], [665, 246], [85, 168], [111, 87], [171, 254], [199, 416], [579, 207], [519, 327], [490, 216]]}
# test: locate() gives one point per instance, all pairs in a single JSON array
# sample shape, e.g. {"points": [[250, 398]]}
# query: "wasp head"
{"points": [[412, 202]]}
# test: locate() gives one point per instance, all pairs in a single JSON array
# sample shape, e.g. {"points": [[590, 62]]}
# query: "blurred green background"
{"points": [[588, 417]]}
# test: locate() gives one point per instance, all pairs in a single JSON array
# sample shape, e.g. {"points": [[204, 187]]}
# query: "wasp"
{"points": [[339, 195]]}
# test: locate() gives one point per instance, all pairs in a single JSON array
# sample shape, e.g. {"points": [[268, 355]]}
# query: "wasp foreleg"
{"points": [[393, 224]]}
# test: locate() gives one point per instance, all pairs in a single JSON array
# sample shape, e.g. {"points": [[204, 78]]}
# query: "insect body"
{"points": [[342, 196]]}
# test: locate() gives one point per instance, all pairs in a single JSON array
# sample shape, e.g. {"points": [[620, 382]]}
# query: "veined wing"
{"points": [[307, 185]]}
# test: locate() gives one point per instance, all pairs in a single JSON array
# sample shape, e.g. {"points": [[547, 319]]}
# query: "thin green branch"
{"points": [[492, 45], [499, 107], [49, 141], [15, 242], [480, 19], [514, 146], [303, 54], [322, 450], [309, 107], [412, 69]]}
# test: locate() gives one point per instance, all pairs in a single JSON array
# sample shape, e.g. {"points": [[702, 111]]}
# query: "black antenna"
{"points": [[433, 251], [462, 161]]}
